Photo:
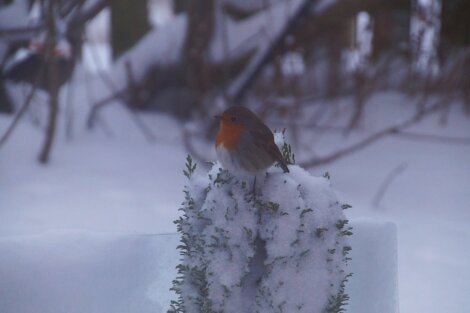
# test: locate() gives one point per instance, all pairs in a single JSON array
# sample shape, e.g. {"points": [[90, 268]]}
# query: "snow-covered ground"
{"points": [[98, 182], [103, 186], [123, 184], [429, 201]]}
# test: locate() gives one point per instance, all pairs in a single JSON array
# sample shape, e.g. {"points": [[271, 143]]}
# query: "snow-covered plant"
{"points": [[271, 245]]}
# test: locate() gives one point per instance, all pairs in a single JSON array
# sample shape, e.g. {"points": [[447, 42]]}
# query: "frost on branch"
{"points": [[282, 248]]}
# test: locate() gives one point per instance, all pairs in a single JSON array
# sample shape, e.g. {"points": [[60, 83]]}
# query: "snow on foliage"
{"points": [[160, 46], [233, 38], [277, 247], [425, 26]]}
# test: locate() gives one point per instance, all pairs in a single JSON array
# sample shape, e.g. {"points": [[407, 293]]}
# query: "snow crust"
{"points": [[83, 271]]}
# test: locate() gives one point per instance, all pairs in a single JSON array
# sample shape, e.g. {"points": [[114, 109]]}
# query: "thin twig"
{"points": [[18, 34], [27, 102], [92, 119], [146, 131], [69, 110], [68, 7], [433, 138], [387, 182], [377, 136], [22, 110], [403, 134], [187, 141], [92, 116], [85, 15], [265, 54], [133, 91], [120, 94]]}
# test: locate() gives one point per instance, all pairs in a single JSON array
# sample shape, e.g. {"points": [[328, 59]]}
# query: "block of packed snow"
{"points": [[79, 271], [374, 285]]}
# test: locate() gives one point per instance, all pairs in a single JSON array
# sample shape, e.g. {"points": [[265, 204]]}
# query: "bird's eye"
{"points": [[233, 118]]}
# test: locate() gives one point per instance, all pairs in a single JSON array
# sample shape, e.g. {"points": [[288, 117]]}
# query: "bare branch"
{"points": [[438, 139], [187, 141], [20, 34], [392, 130], [87, 14], [68, 7], [53, 81], [100, 104], [386, 183], [22, 110], [433, 138], [129, 95], [135, 100], [265, 54]]}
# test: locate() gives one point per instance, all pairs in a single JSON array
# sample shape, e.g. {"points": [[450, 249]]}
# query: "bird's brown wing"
{"points": [[264, 138]]}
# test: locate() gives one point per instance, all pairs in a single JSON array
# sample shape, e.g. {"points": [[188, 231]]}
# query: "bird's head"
{"points": [[237, 116]]}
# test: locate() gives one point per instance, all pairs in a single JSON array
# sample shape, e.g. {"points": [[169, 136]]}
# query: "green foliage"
{"points": [[190, 167], [286, 150], [337, 303], [189, 247], [346, 251], [273, 206], [223, 177], [341, 225], [196, 270], [319, 232], [346, 206], [305, 211]]}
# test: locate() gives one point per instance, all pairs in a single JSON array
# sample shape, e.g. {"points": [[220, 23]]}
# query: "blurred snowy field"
{"points": [[105, 188], [121, 184]]}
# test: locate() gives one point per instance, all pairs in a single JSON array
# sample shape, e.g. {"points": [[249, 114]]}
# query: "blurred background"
{"points": [[101, 100]]}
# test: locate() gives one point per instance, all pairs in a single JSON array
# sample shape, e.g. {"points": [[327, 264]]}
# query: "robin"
{"points": [[244, 144]]}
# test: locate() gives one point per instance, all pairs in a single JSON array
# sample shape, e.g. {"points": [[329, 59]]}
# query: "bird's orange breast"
{"points": [[229, 135]]}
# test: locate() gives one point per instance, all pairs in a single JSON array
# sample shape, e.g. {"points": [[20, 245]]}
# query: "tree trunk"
{"points": [[129, 23], [199, 33], [6, 105], [53, 82], [455, 26]]}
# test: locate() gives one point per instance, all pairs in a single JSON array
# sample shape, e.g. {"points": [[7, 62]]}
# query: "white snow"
{"points": [[374, 284], [14, 15], [280, 250], [123, 184], [424, 28], [161, 46], [82, 271], [357, 58], [113, 181], [70, 232], [235, 37], [429, 201]]}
